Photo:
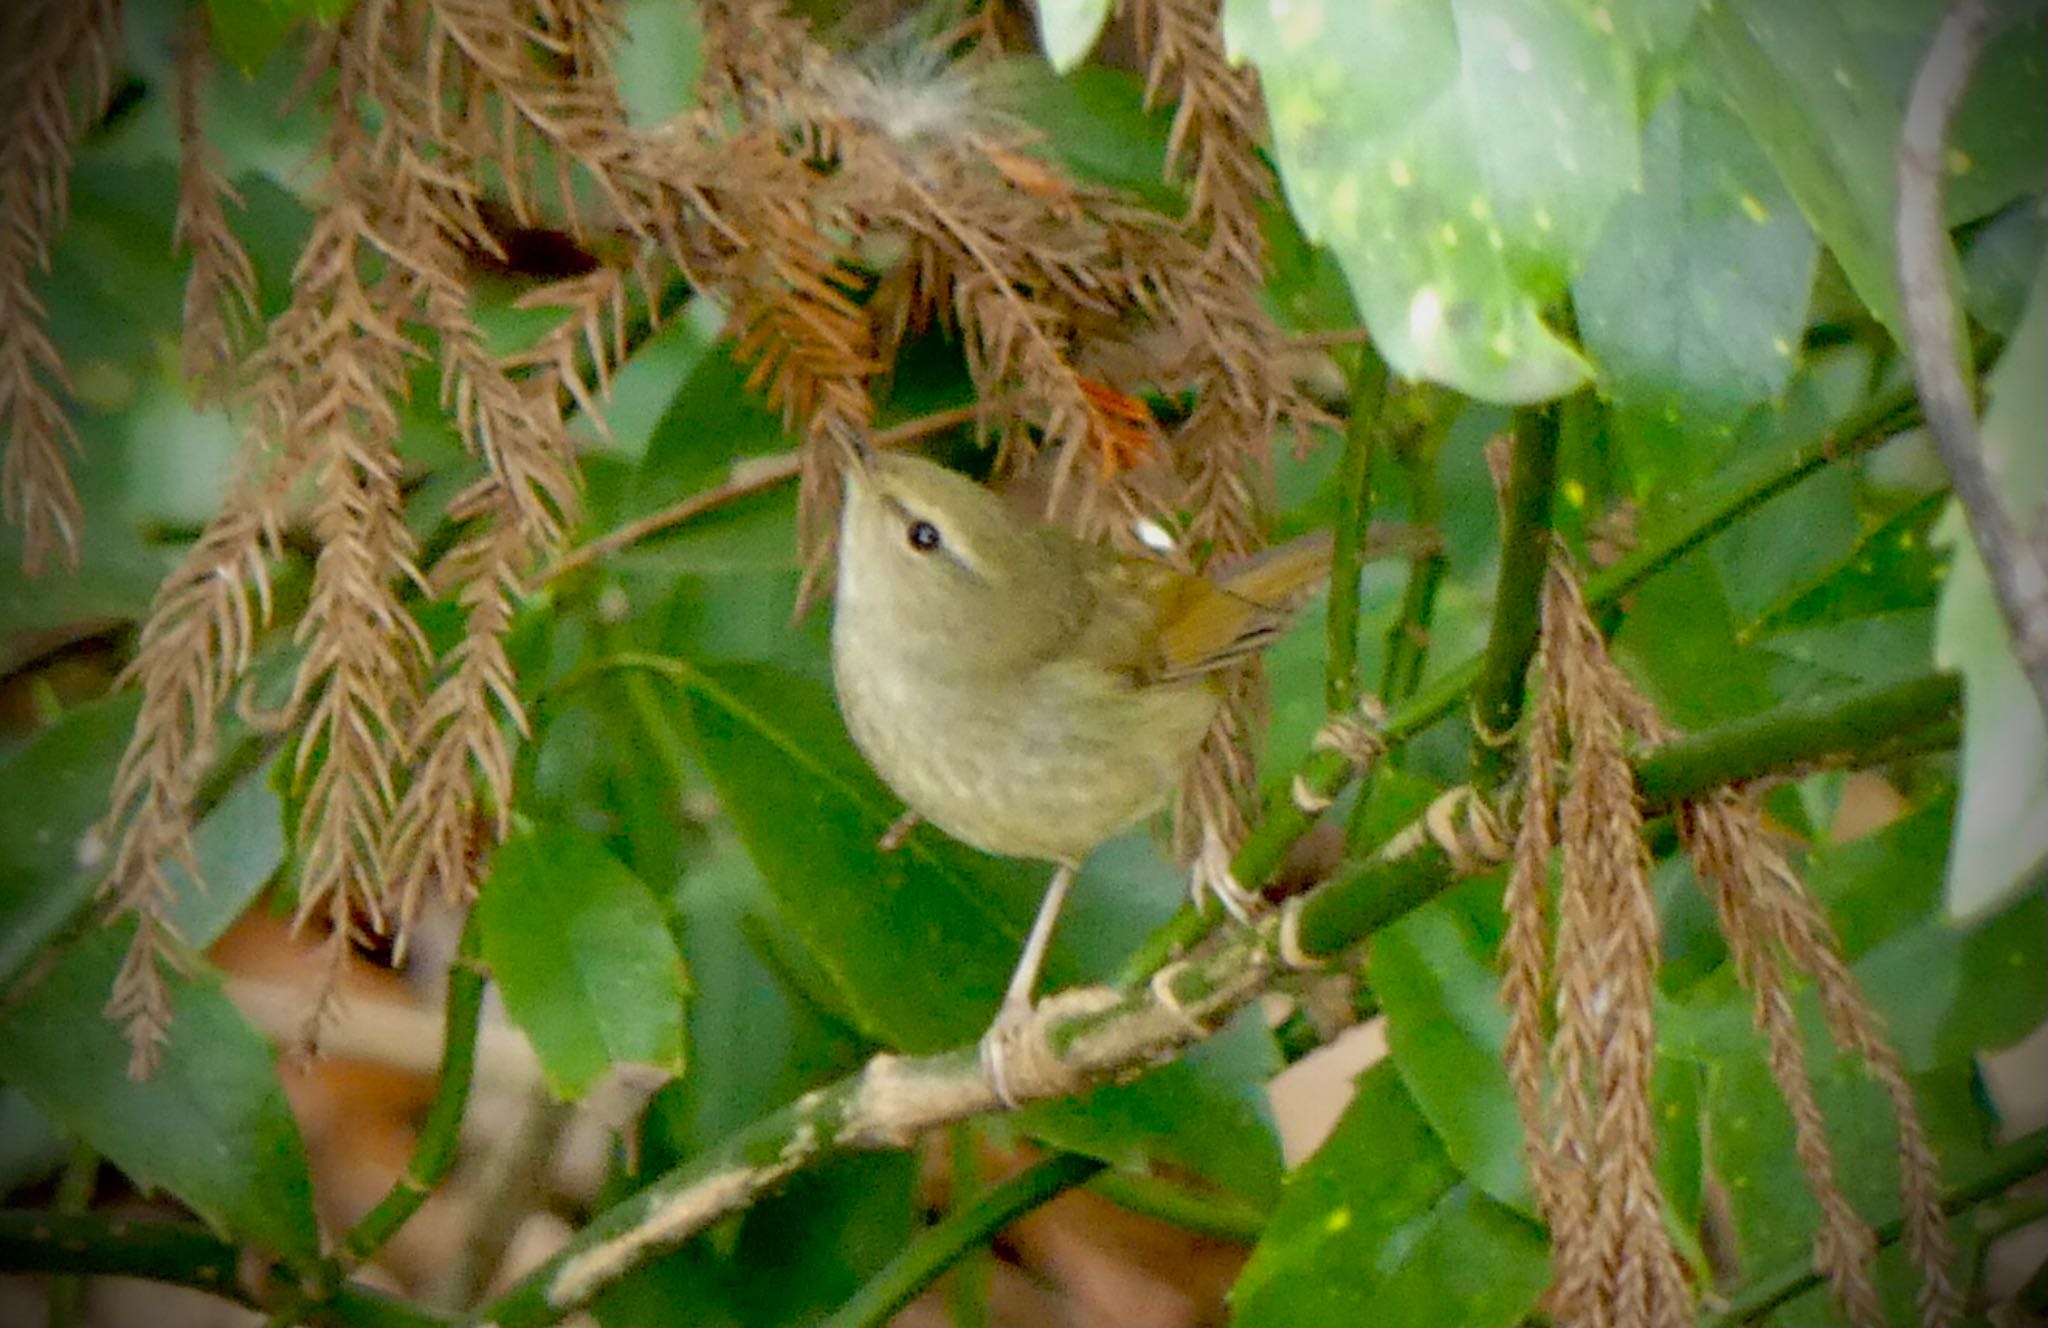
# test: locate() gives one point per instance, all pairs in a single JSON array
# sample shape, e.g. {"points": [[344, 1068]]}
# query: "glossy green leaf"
{"points": [[2002, 826], [919, 941], [210, 1127], [1692, 304], [1436, 976], [581, 951], [1068, 29], [1678, 621], [658, 56], [1377, 1227], [1827, 120], [1459, 157], [1096, 123]]}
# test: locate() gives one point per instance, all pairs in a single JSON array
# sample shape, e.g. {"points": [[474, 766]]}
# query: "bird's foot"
{"points": [[1212, 878]]}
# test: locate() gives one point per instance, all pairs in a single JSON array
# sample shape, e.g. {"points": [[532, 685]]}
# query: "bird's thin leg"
{"points": [[1017, 998], [997, 1043]]}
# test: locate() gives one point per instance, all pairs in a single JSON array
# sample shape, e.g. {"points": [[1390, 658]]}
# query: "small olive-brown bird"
{"points": [[1023, 690]]}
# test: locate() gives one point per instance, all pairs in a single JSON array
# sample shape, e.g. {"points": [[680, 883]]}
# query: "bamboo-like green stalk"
{"points": [[1325, 774], [935, 1249], [1850, 727], [1342, 685], [1525, 547], [188, 1255], [434, 1151], [2012, 1163]]}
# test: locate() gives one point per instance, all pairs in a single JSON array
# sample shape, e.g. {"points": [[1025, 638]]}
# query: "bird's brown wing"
{"points": [[1157, 624]]}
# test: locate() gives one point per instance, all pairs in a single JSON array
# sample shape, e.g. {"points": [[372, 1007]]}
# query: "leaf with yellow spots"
{"points": [[1380, 1220], [1693, 302], [1459, 158]]}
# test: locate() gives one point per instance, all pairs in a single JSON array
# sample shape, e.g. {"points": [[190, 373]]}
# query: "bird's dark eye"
{"points": [[924, 536]]}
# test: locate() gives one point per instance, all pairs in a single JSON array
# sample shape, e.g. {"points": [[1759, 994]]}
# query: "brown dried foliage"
{"points": [[1776, 931], [835, 205], [57, 65], [1590, 1138], [221, 314], [1586, 1106]]}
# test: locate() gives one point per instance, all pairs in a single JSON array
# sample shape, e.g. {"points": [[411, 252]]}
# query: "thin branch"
{"points": [[434, 1151], [1088, 1034], [1844, 729], [757, 477], [938, 1247], [1369, 381], [188, 1255], [2012, 1163], [2018, 572], [1524, 554]]}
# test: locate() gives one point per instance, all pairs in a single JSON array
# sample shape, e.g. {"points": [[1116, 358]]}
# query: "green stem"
{"points": [[1407, 651], [967, 1294], [1845, 728], [2010, 1164], [938, 1247], [1341, 687], [1222, 1216], [434, 1152], [188, 1255], [1518, 596], [74, 1197], [1859, 720]]}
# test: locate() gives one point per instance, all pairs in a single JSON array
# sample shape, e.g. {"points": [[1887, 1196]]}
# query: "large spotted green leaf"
{"points": [[1459, 157], [1692, 304]]}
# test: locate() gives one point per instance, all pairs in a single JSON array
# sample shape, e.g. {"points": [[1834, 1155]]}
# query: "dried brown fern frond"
{"points": [[1586, 1115], [1590, 1139], [221, 313], [517, 514], [1776, 931], [196, 646], [57, 64]]}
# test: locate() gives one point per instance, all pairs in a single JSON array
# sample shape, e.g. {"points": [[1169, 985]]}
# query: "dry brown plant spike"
{"points": [[57, 65], [1587, 1111], [221, 315]]}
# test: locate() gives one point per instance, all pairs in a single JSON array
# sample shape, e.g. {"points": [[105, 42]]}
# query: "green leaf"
{"points": [[1893, 568], [794, 1256], [1996, 152], [1378, 1222], [658, 56], [1068, 29], [247, 31], [1459, 157], [1692, 304], [2002, 827], [1096, 123], [1680, 632], [1207, 1113], [919, 941], [211, 1126], [1434, 972], [745, 1001], [582, 953], [1826, 119]]}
